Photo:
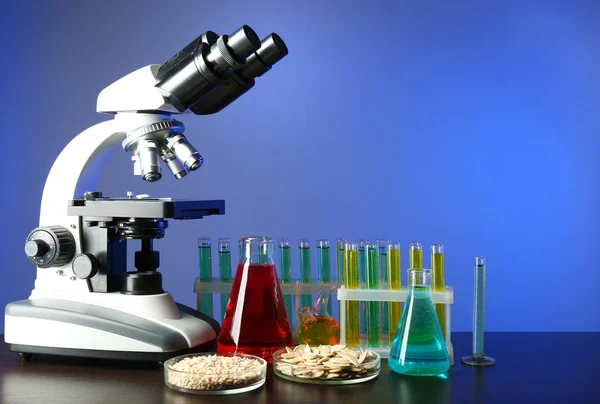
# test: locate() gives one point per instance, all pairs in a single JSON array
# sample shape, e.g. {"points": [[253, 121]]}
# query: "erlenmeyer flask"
{"points": [[419, 348], [317, 327], [255, 320]]}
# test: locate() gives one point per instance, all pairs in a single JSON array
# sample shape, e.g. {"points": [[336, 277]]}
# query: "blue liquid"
{"points": [[418, 348]]}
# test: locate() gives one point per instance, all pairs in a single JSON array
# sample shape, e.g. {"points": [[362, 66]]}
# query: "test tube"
{"points": [[382, 244], [285, 276], [478, 358], [394, 283], [340, 244], [324, 266], [204, 257], [437, 282], [362, 275], [224, 248], [415, 255], [305, 276], [350, 259], [373, 308]]}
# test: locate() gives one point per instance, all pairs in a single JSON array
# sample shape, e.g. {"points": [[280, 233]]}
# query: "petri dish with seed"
{"points": [[215, 373], [326, 364]]}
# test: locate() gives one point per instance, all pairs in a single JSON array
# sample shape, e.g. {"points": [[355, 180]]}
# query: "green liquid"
{"points": [[324, 270], [437, 284], [352, 311], [418, 348], [373, 308], [204, 257], [285, 276], [362, 275], [224, 276], [385, 306], [339, 262], [395, 308], [305, 276]]}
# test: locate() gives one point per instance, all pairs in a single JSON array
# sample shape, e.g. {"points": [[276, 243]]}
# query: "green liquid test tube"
{"points": [[285, 276], [373, 308], [437, 282], [382, 244], [340, 244], [394, 283], [350, 259], [324, 266], [362, 276], [204, 256], [224, 249], [305, 275]]}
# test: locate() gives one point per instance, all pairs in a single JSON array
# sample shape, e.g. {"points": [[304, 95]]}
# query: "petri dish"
{"points": [[327, 372], [215, 373]]}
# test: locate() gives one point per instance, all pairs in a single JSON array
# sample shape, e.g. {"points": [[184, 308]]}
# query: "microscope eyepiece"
{"points": [[272, 50], [203, 65]]}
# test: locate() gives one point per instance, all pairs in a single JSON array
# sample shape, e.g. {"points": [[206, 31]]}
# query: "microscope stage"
{"points": [[148, 208]]}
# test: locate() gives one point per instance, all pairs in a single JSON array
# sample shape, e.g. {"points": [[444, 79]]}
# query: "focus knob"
{"points": [[50, 246], [85, 266]]}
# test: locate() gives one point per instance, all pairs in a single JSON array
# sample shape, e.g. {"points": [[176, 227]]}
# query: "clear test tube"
{"points": [[305, 270], [362, 277], [394, 283], [205, 261], [382, 245], [373, 308], [324, 266], [285, 276], [352, 311], [224, 249], [478, 358], [437, 282]]}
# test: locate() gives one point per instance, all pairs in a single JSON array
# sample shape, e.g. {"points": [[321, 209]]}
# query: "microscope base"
{"points": [[60, 327]]}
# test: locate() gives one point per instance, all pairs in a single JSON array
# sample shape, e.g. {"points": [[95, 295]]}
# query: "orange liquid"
{"points": [[323, 330], [260, 319]]}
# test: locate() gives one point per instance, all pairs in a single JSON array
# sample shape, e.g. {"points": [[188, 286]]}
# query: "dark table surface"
{"points": [[531, 367]]}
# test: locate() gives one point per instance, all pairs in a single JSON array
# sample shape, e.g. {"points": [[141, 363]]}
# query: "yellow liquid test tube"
{"points": [[437, 281], [350, 263], [394, 283], [415, 256]]}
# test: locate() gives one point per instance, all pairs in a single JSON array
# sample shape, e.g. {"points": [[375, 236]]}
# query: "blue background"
{"points": [[472, 124]]}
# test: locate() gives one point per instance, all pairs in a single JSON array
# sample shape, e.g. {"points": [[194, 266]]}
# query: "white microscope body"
{"points": [[76, 307]]}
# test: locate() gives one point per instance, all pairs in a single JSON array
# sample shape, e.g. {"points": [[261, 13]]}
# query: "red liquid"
{"points": [[260, 318]]}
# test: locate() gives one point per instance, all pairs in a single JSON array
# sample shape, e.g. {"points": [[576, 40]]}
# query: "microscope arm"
{"points": [[75, 171]]}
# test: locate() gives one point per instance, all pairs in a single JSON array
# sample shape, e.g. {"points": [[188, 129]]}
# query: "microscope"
{"points": [[85, 302]]}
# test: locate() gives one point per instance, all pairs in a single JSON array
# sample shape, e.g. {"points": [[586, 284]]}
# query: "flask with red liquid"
{"points": [[255, 321]]}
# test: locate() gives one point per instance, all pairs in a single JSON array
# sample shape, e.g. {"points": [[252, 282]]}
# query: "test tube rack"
{"points": [[385, 295]]}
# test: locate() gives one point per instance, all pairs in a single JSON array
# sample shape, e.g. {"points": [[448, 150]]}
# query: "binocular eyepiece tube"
{"points": [[206, 76]]}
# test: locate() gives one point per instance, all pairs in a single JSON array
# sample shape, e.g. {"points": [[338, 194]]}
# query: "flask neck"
{"points": [[419, 277], [256, 251]]}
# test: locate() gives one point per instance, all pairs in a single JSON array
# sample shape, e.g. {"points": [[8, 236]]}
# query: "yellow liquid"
{"points": [[415, 258], [437, 285], [394, 283], [351, 282]]}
